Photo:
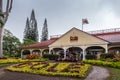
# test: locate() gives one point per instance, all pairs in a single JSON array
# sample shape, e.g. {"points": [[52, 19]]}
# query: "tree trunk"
{"points": [[3, 20], [1, 40]]}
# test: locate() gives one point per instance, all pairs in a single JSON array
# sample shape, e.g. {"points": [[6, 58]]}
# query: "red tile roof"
{"points": [[113, 37], [43, 44]]}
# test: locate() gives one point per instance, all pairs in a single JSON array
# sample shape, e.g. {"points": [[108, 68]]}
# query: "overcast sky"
{"points": [[62, 15]]}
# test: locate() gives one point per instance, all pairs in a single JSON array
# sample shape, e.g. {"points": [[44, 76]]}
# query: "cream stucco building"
{"points": [[77, 43]]}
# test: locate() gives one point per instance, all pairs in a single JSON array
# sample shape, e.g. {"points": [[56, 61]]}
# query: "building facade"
{"points": [[76, 44]]}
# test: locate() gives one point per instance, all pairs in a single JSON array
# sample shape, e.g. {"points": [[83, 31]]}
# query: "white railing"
{"points": [[93, 32], [105, 31], [55, 36]]}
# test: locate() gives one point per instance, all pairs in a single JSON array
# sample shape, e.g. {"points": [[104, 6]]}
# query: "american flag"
{"points": [[85, 21]]}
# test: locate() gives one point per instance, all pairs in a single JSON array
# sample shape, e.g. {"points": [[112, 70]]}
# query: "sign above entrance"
{"points": [[73, 38]]}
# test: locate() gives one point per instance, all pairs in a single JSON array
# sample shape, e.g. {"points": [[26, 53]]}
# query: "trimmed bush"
{"points": [[103, 63], [91, 56], [51, 56], [107, 55], [32, 56]]}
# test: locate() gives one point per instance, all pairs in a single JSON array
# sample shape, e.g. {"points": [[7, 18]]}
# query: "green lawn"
{"points": [[114, 74], [6, 64]]}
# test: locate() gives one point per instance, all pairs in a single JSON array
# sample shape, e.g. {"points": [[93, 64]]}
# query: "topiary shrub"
{"points": [[51, 56], [107, 55], [91, 56]]}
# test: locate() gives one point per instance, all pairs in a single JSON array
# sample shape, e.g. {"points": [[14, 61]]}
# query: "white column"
{"points": [[41, 52], [106, 49], [30, 51], [50, 51], [21, 53], [53, 51], [84, 53], [64, 54]]}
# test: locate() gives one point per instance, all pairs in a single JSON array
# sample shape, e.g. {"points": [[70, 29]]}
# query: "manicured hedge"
{"points": [[103, 63], [51, 56], [91, 56], [53, 69], [107, 55]]}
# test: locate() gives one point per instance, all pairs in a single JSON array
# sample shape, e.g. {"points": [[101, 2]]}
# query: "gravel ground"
{"points": [[98, 73]]}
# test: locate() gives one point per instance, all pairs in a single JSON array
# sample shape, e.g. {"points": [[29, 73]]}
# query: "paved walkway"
{"points": [[98, 73], [2, 70]]}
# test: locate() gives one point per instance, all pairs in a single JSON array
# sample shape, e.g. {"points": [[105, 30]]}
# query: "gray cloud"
{"points": [[62, 15]]}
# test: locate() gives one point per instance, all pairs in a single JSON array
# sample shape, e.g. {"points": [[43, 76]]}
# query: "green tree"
{"points": [[28, 42], [31, 30], [3, 18], [33, 25], [44, 36], [10, 44], [27, 31]]}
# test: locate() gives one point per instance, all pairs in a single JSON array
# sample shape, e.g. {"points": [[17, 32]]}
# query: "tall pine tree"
{"points": [[33, 25], [44, 36], [31, 30], [27, 30]]}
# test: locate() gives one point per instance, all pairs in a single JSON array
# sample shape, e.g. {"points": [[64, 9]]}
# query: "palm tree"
{"points": [[3, 18]]}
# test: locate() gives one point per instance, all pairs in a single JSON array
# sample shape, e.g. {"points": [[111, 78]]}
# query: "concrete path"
{"points": [[98, 73], [2, 70]]}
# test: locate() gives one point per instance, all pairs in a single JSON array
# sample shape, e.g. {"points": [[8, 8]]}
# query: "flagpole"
{"points": [[82, 26], [84, 21]]}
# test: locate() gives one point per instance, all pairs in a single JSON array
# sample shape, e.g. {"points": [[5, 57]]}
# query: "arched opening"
{"points": [[74, 54], [46, 51], [114, 50], [37, 52], [60, 52], [25, 53], [96, 50]]}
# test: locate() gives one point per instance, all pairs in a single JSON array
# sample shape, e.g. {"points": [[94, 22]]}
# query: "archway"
{"points": [[60, 52], [114, 50], [96, 50], [45, 51], [37, 52], [25, 53], [74, 54]]}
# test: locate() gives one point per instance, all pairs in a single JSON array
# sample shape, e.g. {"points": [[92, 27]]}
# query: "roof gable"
{"points": [[81, 36]]}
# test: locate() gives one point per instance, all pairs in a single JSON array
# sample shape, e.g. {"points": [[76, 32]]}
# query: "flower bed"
{"points": [[54, 69], [103, 63]]}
